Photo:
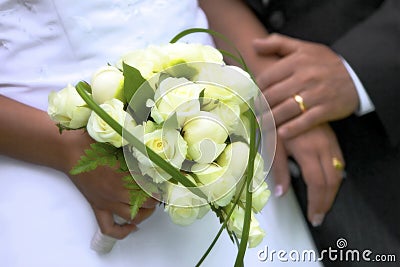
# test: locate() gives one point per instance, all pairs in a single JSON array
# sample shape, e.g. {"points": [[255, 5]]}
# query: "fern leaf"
{"points": [[99, 154]]}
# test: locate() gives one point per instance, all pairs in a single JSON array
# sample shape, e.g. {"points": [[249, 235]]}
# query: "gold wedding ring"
{"points": [[337, 164], [300, 101]]}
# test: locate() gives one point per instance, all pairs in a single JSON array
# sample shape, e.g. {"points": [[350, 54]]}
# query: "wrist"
{"points": [[73, 145]]}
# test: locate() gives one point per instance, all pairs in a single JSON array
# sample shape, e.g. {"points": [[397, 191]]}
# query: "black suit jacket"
{"points": [[367, 34]]}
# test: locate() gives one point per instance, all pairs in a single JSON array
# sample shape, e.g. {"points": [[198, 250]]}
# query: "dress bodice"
{"points": [[45, 44]]}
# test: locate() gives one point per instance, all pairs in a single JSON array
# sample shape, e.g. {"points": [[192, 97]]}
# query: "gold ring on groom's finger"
{"points": [[337, 164], [299, 100]]}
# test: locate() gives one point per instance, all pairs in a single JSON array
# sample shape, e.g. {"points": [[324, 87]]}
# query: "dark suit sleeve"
{"points": [[372, 48]]}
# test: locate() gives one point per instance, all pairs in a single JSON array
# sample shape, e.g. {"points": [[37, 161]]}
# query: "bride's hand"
{"points": [[104, 190], [315, 151], [29, 134]]}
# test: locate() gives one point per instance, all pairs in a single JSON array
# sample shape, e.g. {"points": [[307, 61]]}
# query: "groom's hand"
{"points": [[310, 70]]}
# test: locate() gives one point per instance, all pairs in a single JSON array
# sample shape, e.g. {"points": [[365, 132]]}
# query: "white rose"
{"points": [[183, 206], [107, 83], [184, 52], [169, 145], [256, 234], [239, 87], [218, 183], [177, 95], [229, 115], [213, 94], [68, 108], [235, 224], [260, 197], [205, 151], [235, 158], [259, 172], [242, 127], [100, 131], [204, 126], [148, 61]]}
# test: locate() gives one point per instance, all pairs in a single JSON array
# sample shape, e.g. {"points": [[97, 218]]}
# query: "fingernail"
{"points": [[278, 191], [317, 219]]}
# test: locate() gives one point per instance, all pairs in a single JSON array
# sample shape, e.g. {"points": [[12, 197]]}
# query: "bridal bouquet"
{"points": [[183, 124]]}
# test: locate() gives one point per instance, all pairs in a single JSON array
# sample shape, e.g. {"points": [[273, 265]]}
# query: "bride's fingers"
{"points": [[108, 227], [150, 203], [314, 178], [120, 209], [280, 170], [142, 215]]}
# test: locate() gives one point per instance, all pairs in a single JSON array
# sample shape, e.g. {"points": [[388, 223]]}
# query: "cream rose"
{"points": [[259, 172], [206, 136], [218, 183], [229, 115], [235, 158], [260, 197], [184, 52], [100, 131], [176, 95], [107, 83], [238, 87], [148, 61], [169, 145], [205, 151], [183, 206], [235, 224], [68, 108], [204, 126]]}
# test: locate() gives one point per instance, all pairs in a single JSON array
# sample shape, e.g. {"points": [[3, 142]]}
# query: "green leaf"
{"points": [[201, 97], [99, 154], [137, 198], [249, 185], [87, 87], [133, 79], [136, 195]]}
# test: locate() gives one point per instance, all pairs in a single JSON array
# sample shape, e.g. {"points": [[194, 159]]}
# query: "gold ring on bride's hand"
{"points": [[337, 164], [299, 100]]}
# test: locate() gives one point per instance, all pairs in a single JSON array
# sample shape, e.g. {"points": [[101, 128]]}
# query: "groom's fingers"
{"points": [[276, 44], [108, 227]]}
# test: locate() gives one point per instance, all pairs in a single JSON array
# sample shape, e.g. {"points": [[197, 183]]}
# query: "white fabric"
{"points": [[44, 220], [366, 105]]}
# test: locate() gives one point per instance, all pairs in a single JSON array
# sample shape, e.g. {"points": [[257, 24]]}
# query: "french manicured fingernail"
{"points": [[278, 191], [317, 219]]}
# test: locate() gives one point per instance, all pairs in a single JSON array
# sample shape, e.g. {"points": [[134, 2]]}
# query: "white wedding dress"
{"points": [[44, 220]]}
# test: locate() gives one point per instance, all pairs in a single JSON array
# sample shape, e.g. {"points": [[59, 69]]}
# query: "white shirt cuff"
{"points": [[366, 105]]}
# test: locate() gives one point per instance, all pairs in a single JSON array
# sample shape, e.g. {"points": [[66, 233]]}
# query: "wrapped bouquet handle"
{"points": [[102, 243]]}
